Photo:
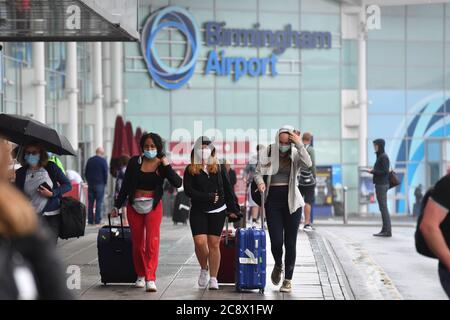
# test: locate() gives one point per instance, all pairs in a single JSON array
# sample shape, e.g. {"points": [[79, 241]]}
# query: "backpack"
{"points": [[73, 218], [421, 245]]}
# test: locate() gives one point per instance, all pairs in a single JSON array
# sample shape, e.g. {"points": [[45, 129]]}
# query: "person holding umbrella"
{"points": [[44, 183]]}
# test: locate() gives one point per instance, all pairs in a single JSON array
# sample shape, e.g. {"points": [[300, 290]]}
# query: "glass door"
{"points": [[434, 158]]}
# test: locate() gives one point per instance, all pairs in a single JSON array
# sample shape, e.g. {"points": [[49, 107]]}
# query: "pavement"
{"points": [[317, 276], [334, 262], [383, 268]]}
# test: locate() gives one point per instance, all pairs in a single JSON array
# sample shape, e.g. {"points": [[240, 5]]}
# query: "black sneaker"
{"points": [[276, 275]]}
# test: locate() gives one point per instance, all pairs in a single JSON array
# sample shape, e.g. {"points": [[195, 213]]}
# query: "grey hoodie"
{"points": [[268, 165]]}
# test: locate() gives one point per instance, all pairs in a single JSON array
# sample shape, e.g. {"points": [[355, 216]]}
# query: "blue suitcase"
{"points": [[251, 257]]}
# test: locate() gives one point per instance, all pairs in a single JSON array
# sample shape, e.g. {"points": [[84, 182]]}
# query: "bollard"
{"points": [[345, 205]]}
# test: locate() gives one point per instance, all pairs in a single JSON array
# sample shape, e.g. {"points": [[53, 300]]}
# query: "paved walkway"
{"points": [[317, 276]]}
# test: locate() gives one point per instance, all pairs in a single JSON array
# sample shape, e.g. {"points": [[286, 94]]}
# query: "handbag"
{"points": [[306, 178], [143, 205], [393, 179], [73, 218]]}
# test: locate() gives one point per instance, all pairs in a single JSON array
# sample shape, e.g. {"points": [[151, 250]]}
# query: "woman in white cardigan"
{"points": [[276, 177]]}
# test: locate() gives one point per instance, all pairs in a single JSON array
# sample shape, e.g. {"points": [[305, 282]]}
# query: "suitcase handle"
{"points": [[263, 209], [226, 232], [110, 226]]}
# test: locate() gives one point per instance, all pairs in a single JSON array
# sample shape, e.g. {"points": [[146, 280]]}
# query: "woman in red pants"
{"points": [[143, 187]]}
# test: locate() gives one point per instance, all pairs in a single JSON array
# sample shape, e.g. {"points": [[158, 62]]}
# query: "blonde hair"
{"points": [[17, 216], [212, 167]]}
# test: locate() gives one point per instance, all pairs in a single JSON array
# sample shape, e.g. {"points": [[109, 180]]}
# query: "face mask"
{"points": [[204, 153], [32, 160], [150, 154], [284, 149]]}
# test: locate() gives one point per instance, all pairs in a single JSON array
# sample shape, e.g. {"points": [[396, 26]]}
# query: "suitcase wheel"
{"points": [[104, 283], [261, 291]]}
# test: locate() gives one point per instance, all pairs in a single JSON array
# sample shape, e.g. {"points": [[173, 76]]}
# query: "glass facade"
{"points": [[407, 63], [408, 83], [17, 69], [306, 90], [306, 93], [408, 60]]}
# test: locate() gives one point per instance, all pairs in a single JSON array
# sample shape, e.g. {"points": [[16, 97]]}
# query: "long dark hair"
{"points": [[157, 140]]}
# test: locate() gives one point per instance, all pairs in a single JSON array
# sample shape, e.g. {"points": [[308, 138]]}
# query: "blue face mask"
{"points": [[150, 154], [32, 160], [284, 149]]}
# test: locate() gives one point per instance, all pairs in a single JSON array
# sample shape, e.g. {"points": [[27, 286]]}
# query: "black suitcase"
{"points": [[73, 218], [181, 208], [115, 256]]}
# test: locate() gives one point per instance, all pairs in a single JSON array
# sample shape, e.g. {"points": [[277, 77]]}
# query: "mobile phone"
{"points": [[46, 186]]}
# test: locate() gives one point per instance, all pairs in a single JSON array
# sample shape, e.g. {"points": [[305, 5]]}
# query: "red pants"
{"points": [[145, 231]]}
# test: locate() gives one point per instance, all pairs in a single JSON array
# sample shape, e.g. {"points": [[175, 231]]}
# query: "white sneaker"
{"points": [[213, 284], [203, 278], [140, 282], [150, 286]]}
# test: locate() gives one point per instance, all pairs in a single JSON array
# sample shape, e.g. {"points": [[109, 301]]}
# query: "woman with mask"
{"points": [[276, 177], [207, 183], [44, 183], [143, 187]]}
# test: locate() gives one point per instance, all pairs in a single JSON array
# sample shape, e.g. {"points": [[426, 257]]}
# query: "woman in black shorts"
{"points": [[207, 183]]}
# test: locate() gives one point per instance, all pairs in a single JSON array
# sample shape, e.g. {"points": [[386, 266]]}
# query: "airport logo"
{"points": [[216, 34], [164, 75]]}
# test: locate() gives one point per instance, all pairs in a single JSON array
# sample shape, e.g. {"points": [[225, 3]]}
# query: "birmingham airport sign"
{"points": [[217, 35]]}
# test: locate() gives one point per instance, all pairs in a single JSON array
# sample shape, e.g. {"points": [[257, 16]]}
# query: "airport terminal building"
{"points": [[347, 71]]}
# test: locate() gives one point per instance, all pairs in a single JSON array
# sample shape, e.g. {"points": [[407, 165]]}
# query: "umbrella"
{"points": [[120, 146], [132, 145], [138, 135], [21, 130]]}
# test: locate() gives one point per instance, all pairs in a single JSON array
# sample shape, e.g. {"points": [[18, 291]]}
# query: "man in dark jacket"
{"points": [[380, 173], [97, 176]]}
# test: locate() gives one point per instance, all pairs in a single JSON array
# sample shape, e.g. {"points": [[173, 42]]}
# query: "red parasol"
{"points": [[132, 145], [138, 136], [120, 145]]}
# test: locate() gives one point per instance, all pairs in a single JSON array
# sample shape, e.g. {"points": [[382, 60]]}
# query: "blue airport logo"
{"points": [[216, 35], [163, 74]]}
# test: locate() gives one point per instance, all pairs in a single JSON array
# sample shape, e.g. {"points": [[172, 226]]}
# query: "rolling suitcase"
{"points": [[115, 257], [227, 268], [181, 209], [251, 256]]}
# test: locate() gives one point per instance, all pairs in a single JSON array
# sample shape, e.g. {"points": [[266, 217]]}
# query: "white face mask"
{"points": [[204, 153]]}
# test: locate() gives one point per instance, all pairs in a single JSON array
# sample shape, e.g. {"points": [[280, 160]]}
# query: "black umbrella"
{"points": [[21, 130]]}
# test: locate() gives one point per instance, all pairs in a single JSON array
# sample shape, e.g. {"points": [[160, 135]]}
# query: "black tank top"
{"points": [[147, 181]]}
